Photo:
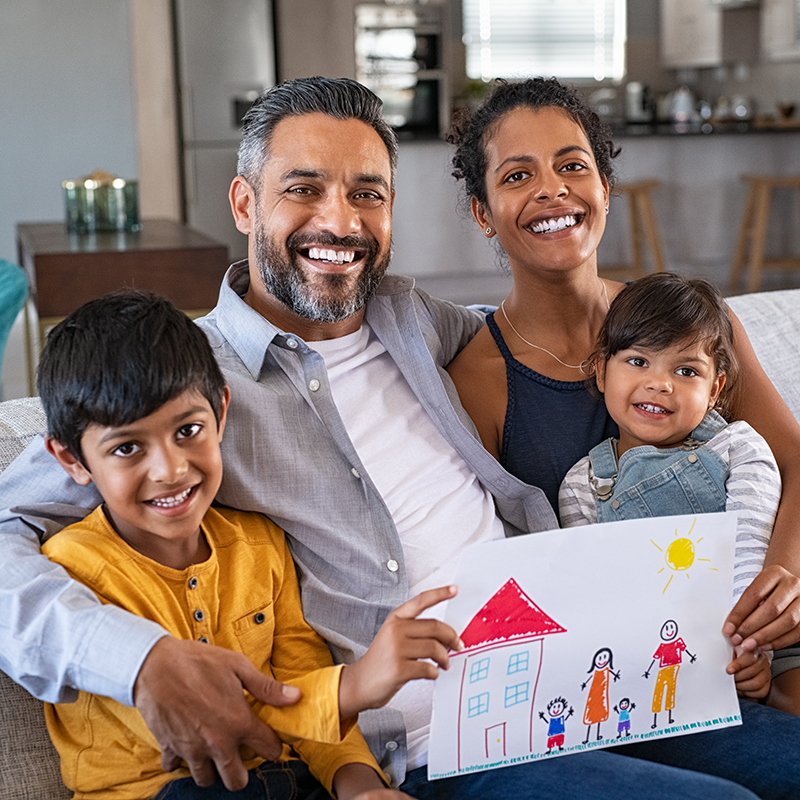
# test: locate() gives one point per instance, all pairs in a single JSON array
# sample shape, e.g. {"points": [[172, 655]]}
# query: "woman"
{"points": [[537, 168]]}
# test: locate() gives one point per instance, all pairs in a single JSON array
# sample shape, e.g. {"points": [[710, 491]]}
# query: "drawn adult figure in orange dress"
{"points": [[597, 707]]}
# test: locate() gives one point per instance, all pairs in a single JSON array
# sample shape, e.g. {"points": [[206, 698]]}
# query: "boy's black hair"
{"points": [[118, 359], [665, 309]]}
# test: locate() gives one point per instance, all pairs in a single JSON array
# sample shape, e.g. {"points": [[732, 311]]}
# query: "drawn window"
{"points": [[479, 670], [517, 694], [478, 705], [518, 663]]}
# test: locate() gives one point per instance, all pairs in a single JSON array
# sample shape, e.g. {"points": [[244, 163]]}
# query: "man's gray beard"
{"points": [[285, 280]]}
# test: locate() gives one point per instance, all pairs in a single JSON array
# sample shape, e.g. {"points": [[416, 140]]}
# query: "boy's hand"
{"points": [[398, 653], [361, 782], [767, 615], [190, 695], [751, 673]]}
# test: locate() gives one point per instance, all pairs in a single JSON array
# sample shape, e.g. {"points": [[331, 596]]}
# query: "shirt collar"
{"points": [[249, 333]]}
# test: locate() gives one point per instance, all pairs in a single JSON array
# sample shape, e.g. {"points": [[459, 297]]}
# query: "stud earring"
{"points": [[488, 231], [606, 209]]}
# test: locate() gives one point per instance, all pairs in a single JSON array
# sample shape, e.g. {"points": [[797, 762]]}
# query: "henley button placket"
{"points": [[199, 615], [193, 582]]}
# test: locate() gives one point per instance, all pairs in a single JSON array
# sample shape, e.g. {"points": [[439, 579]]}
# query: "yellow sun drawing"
{"points": [[679, 555]]}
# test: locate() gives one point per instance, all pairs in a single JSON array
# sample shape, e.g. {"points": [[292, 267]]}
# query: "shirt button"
{"points": [[192, 583], [313, 384], [392, 565], [692, 457], [392, 746], [615, 504], [356, 473], [199, 615], [292, 344], [259, 618], [203, 639]]}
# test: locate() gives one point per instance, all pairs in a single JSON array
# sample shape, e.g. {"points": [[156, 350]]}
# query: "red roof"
{"points": [[509, 614]]}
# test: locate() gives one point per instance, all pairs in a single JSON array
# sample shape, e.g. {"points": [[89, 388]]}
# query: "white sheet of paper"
{"points": [[539, 615]]}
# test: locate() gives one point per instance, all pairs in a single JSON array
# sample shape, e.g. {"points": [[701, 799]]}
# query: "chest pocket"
{"points": [[254, 632], [688, 483]]}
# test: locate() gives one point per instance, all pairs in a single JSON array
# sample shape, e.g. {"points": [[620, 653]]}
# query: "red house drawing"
{"points": [[500, 667]]}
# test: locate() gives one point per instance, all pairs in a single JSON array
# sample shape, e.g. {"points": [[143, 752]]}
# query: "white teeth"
{"points": [[554, 224], [653, 409], [170, 502], [334, 256]]}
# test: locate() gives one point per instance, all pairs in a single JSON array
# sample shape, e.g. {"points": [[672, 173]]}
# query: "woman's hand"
{"points": [[767, 615]]}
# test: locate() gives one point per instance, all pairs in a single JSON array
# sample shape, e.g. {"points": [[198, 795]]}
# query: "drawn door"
{"points": [[496, 742]]}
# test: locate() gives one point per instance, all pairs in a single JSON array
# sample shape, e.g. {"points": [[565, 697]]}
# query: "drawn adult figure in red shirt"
{"points": [[670, 656]]}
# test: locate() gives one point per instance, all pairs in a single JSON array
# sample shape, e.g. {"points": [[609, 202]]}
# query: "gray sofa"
{"points": [[29, 767]]}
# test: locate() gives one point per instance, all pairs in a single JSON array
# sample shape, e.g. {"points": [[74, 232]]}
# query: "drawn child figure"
{"points": [[669, 654], [665, 361], [597, 707], [136, 404], [557, 711], [624, 710]]}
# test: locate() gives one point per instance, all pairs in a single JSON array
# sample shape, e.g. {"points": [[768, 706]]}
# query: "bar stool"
{"points": [[753, 232], [643, 231]]}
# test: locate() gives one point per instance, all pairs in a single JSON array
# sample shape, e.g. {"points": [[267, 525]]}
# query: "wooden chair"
{"points": [[753, 231], [643, 231]]}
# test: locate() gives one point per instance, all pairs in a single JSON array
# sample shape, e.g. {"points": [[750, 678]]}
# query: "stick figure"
{"points": [[556, 708], [670, 655], [624, 711], [596, 710]]}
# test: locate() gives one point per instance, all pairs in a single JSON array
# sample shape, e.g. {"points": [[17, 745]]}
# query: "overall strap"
{"points": [[604, 468]]}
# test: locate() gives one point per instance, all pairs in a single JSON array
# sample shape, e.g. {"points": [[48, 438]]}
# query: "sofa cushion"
{"points": [[20, 421], [772, 321]]}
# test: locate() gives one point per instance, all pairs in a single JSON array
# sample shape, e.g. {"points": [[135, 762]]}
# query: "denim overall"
{"points": [[653, 482]]}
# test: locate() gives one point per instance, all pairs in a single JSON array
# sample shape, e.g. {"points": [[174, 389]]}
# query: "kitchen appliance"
{"points": [[400, 56], [638, 106], [226, 56]]}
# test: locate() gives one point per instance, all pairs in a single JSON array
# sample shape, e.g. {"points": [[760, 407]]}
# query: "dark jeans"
{"points": [[272, 780], [760, 758]]}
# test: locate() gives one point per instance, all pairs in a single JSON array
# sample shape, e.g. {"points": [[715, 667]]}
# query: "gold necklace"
{"points": [[544, 349]]}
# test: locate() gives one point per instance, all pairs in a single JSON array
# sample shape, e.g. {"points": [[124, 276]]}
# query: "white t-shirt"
{"points": [[437, 503]]}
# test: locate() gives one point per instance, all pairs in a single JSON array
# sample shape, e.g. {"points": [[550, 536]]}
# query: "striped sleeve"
{"points": [[576, 503], [754, 491]]}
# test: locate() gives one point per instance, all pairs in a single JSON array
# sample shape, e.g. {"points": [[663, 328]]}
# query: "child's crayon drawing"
{"points": [[534, 611]]}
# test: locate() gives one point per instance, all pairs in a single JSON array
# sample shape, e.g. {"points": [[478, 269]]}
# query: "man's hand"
{"points": [[361, 782], [751, 673], [190, 695], [399, 654], [767, 615]]}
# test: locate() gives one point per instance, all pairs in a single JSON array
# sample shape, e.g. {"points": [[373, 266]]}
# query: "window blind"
{"points": [[562, 38]]}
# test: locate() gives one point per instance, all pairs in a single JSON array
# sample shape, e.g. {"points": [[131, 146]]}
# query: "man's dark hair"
{"points": [[119, 358], [471, 132], [665, 309], [340, 98]]}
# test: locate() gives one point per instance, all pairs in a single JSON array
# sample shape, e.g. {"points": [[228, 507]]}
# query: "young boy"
{"points": [[136, 404]]}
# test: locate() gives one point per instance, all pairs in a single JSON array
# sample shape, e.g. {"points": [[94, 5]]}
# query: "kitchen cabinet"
{"points": [[691, 34], [780, 30]]}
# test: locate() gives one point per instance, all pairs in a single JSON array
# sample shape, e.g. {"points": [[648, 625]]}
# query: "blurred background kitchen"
{"points": [[698, 92]]}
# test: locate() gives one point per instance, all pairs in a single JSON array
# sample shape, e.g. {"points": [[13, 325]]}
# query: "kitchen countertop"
{"points": [[758, 125]]}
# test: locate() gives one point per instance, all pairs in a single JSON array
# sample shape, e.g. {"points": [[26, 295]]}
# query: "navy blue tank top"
{"points": [[550, 425]]}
